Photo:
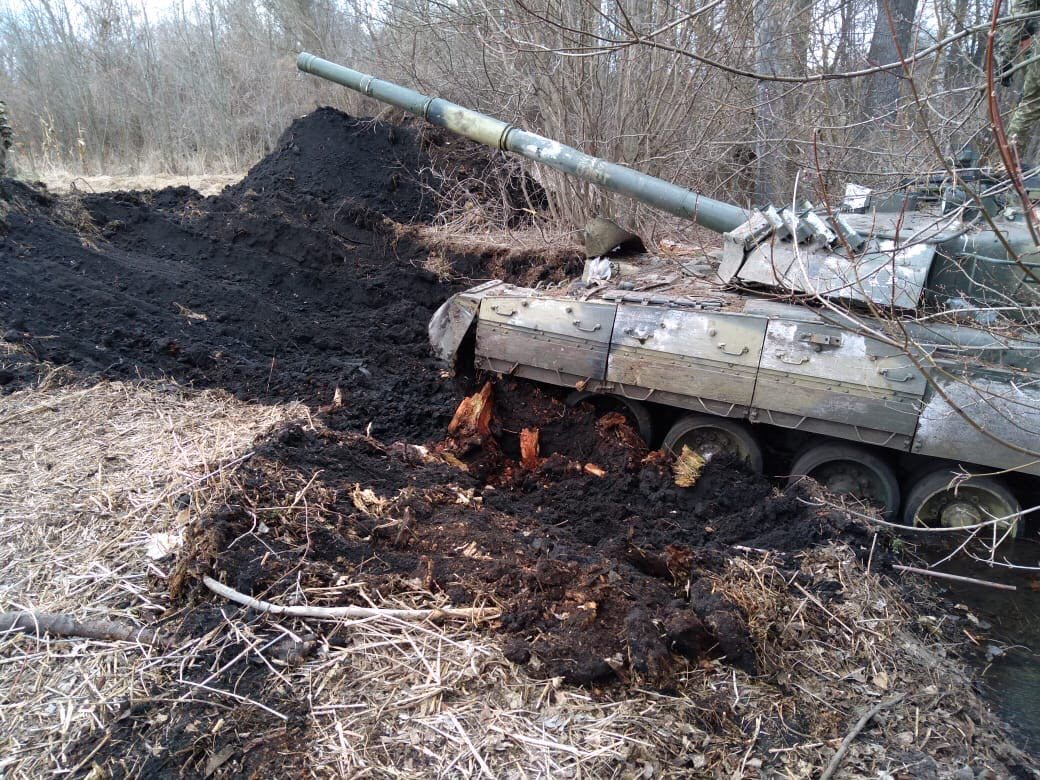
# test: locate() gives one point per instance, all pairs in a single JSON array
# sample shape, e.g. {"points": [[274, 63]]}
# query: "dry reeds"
{"points": [[87, 476], [90, 473]]}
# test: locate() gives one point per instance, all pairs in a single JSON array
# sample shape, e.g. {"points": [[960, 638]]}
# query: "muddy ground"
{"points": [[294, 283], [304, 282]]}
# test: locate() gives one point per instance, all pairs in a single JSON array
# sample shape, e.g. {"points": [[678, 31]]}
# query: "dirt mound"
{"points": [[600, 564], [332, 156], [272, 293], [294, 283]]}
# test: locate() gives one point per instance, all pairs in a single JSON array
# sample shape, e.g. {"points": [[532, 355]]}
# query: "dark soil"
{"points": [[294, 282], [300, 280], [332, 157], [600, 577], [286, 286]]}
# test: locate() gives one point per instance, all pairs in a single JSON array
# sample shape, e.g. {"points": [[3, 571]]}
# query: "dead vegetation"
{"points": [[90, 478], [523, 256], [93, 474]]}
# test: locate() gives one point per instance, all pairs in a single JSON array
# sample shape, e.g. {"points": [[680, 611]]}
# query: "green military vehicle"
{"points": [[884, 346]]}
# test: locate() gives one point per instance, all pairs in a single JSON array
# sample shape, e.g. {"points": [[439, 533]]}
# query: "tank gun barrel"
{"points": [[712, 214]]}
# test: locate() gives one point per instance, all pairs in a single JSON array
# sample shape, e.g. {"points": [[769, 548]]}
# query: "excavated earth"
{"points": [[305, 282]]}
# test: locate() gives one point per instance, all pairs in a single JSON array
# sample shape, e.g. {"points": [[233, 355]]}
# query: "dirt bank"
{"points": [[294, 282], [288, 285], [302, 283]]}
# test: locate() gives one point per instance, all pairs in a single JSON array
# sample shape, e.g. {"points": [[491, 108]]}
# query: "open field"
{"points": [[238, 390], [209, 184]]}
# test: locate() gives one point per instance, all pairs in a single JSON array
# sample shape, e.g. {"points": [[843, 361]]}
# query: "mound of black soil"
{"points": [[602, 573], [331, 156], [289, 285]]}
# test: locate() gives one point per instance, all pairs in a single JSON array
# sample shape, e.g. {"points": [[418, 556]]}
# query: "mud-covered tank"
{"points": [[885, 346]]}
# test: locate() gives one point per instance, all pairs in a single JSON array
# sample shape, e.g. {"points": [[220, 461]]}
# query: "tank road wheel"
{"points": [[850, 471], [711, 436], [937, 501], [636, 413]]}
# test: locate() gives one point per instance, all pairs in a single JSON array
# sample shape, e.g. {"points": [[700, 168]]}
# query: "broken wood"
{"points": [[351, 612], [65, 625], [687, 468], [955, 577], [529, 449], [473, 415], [861, 724]]}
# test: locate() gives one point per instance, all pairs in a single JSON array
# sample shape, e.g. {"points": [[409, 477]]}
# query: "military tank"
{"points": [[885, 346]]}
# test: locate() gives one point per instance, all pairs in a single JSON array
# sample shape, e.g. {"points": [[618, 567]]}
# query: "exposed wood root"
{"points": [[529, 449]]}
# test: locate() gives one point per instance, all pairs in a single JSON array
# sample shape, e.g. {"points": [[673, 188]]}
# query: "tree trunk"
{"points": [[770, 168], [783, 38], [893, 16]]}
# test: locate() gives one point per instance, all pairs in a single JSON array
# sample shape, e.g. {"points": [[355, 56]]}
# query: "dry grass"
{"points": [[90, 473], [205, 184], [454, 237], [403, 700], [411, 701]]}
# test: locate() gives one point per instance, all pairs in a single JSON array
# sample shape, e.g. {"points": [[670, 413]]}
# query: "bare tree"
{"points": [[894, 26]]}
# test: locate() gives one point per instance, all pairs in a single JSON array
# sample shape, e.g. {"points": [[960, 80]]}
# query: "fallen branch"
{"points": [[861, 724], [64, 625], [955, 577], [340, 613]]}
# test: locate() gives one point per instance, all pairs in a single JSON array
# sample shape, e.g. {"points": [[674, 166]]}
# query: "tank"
{"points": [[885, 345]]}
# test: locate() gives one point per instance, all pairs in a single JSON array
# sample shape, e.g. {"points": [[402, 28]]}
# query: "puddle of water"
{"points": [[1013, 678]]}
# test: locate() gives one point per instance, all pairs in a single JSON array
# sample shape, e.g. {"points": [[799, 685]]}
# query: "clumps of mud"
{"points": [[603, 567]]}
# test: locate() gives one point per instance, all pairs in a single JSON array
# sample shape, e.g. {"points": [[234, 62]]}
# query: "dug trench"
{"points": [[303, 282]]}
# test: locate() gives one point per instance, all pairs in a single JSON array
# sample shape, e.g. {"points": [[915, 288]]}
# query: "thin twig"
{"points": [[832, 767], [955, 577], [340, 613]]}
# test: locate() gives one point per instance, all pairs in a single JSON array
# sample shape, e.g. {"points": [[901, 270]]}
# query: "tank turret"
{"points": [[884, 346]]}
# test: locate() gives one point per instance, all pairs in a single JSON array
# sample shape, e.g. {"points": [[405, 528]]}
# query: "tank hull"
{"points": [[694, 345], [914, 335]]}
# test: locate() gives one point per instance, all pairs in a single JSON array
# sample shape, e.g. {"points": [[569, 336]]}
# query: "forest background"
{"points": [[744, 101]]}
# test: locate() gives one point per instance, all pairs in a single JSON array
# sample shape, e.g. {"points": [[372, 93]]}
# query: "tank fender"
{"points": [[454, 319]]}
